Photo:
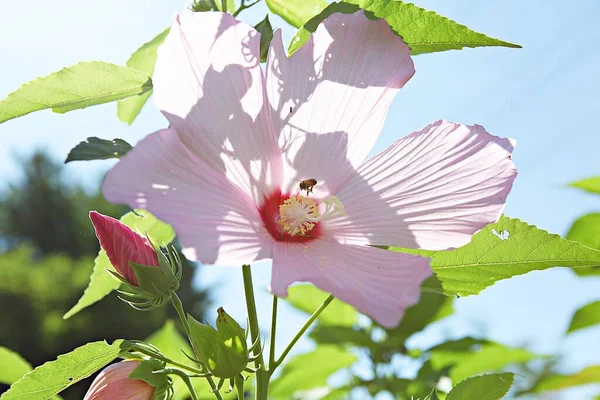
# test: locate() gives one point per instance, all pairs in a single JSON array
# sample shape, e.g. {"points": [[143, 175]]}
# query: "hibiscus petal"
{"points": [[209, 84], [379, 283], [216, 221], [339, 86], [432, 189]]}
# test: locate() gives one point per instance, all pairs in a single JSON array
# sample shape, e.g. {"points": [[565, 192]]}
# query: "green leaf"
{"points": [[145, 372], [103, 283], [484, 387], [556, 382], [296, 12], [586, 230], [308, 298], [591, 185], [485, 358], [341, 336], [52, 377], [586, 316], [500, 251], [310, 370], [12, 366], [420, 315], [266, 34], [80, 86], [143, 60], [423, 31], [94, 148]]}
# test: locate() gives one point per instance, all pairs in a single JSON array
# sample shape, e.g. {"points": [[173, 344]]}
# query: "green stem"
{"points": [[239, 385], [262, 378], [169, 361], [176, 301], [243, 7], [273, 332], [307, 324], [185, 378], [224, 5]]}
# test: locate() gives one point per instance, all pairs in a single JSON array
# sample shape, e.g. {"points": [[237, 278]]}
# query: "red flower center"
{"points": [[271, 213]]}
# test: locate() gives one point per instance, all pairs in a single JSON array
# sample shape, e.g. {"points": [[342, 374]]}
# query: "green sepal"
{"points": [[266, 35], [152, 279], [149, 371], [224, 352]]}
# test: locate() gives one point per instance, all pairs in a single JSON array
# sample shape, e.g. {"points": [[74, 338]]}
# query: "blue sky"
{"points": [[544, 95]]}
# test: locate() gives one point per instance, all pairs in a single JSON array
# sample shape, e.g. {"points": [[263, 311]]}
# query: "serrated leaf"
{"points": [[556, 382], [591, 185], [52, 377], [80, 86], [308, 298], [586, 230], [94, 148], [423, 31], [103, 283], [484, 387], [143, 60], [502, 250], [296, 12], [585, 317], [12, 366], [310, 370], [485, 358], [266, 35]]}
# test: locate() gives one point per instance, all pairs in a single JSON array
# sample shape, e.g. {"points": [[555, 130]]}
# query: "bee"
{"points": [[307, 185]]}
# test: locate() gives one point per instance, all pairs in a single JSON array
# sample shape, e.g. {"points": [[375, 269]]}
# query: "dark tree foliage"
{"points": [[48, 246]]}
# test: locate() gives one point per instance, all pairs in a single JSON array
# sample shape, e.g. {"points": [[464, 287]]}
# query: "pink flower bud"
{"points": [[114, 383], [123, 245]]}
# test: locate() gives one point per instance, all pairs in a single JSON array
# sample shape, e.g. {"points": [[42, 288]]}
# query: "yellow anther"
{"points": [[296, 215]]}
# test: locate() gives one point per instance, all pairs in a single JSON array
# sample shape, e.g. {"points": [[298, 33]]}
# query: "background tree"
{"points": [[48, 246]]}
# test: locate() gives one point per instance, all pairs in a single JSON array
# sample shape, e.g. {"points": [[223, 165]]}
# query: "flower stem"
{"points": [[239, 385], [224, 5], [169, 361], [176, 301], [273, 332], [185, 378], [307, 324], [262, 378], [243, 6]]}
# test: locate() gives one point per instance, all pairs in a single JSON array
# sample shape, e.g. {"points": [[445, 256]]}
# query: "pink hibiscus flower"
{"points": [[113, 382], [227, 172]]}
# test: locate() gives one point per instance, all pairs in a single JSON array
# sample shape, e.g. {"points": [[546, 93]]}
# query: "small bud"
{"points": [[223, 351], [148, 274], [123, 245], [114, 383]]}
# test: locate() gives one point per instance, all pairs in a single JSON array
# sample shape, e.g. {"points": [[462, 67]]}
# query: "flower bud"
{"points": [[114, 383], [148, 275], [223, 351], [123, 245]]}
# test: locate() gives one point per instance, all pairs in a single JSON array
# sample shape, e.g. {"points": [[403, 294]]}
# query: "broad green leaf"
{"points": [[310, 370], [308, 298], [420, 315], [296, 12], [80, 86], [591, 185], [484, 387], [487, 358], [586, 316], [341, 336], [423, 31], [94, 148], [556, 382], [266, 35], [52, 377], [502, 250], [102, 282], [12, 366], [586, 230], [143, 60]]}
